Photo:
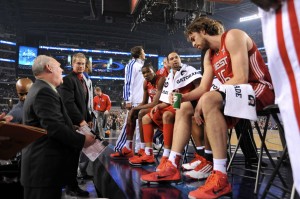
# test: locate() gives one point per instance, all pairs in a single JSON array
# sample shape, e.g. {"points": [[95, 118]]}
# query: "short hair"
{"points": [[136, 51], [39, 64], [98, 89], [78, 55], [210, 26], [148, 65], [169, 54]]}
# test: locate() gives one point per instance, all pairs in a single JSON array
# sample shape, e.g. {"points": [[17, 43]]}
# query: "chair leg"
{"points": [[160, 148], [186, 148], [274, 173], [234, 153], [262, 148], [229, 144]]}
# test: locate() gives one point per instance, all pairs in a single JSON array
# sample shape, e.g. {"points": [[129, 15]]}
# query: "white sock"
{"points": [[142, 145], [148, 150], [166, 152], [220, 165], [200, 147], [208, 151], [172, 157]]}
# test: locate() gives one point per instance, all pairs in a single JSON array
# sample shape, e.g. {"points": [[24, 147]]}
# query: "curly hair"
{"points": [[210, 26]]}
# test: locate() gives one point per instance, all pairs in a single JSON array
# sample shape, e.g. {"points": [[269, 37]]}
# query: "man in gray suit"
{"points": [[47, 161]]}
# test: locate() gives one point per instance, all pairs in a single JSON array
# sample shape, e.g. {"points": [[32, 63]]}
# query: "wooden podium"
{"points": [[14, 137]]}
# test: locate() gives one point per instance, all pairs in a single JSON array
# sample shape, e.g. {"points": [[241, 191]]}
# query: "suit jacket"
{"points": [[46, 161], [72, 94]]}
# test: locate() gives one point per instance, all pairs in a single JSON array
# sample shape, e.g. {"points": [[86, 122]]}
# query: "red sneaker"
{"points": [[123, 154], [143, 160], [139, 154], [202, 171], [193, 163], [162, 163], [216, 185], [168, 174]]}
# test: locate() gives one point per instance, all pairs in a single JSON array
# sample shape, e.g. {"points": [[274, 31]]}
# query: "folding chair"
{"points": [[273, 111], [267, 112]]}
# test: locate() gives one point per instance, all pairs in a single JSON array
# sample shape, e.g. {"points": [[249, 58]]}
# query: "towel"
{"points": [[183, 77], [215, 85], [240, 101]]}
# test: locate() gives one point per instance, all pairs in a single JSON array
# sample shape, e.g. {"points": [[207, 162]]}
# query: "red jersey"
{"points": [[163, 72], [259, 76], [152, 88], [102, 103]]}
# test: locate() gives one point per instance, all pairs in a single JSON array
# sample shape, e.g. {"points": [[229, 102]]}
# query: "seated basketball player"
{"points": [[234, 58], [153, 85], [182, 79]]}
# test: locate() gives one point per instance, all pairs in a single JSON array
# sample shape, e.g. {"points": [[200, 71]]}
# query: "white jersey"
{"points": [[281, 38], [133, 85]]}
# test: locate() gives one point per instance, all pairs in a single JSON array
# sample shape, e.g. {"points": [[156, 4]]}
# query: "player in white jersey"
{"points": [[132, 93], [282, 25]]}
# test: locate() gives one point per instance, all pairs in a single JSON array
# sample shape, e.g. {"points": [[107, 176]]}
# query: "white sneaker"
{"points": [[192, 164], [202, 171]]}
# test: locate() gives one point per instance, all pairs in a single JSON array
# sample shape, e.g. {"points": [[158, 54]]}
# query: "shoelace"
{"points": [[211, 181]]}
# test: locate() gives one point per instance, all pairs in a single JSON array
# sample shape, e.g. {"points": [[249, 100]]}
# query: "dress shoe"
{"points": [[76, 191]]}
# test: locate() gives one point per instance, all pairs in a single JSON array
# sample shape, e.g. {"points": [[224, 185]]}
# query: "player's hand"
{"points": [[128, 106], [153, 110], [198, 113], [171, 98]]}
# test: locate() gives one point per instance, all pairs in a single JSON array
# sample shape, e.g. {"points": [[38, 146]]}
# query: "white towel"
{"points": [[186, 75], [215, 85], [240, 101]]}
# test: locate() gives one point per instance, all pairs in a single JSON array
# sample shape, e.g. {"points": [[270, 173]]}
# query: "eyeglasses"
{"points": [[22, 94]]}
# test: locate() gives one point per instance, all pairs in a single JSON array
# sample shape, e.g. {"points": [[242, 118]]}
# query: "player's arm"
{"points": [[155, 101], [236, 43], [205, 83]]}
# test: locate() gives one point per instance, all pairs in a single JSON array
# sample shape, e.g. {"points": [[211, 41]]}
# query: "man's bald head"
{"points": [[23, 85]]}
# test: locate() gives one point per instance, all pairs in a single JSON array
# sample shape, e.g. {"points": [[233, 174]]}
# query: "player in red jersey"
{"points": [[153, 85], [235, 60], [164, 71], [280, 27], [163, 114]]}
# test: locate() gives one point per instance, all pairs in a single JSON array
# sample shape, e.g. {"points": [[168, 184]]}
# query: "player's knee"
{"points": [[210, 101], [168, 117], [146, 119]]}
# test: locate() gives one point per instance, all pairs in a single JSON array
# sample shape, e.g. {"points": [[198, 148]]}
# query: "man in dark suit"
{"points": [[47, 161], [75, 95]]}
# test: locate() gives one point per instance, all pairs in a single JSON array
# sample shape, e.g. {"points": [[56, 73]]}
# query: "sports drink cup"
{"points": [[177, 100]]}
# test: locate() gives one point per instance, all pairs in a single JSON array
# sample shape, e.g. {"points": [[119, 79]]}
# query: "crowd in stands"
{"points": [[5, 48], [262, 122], [8, 32]]}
